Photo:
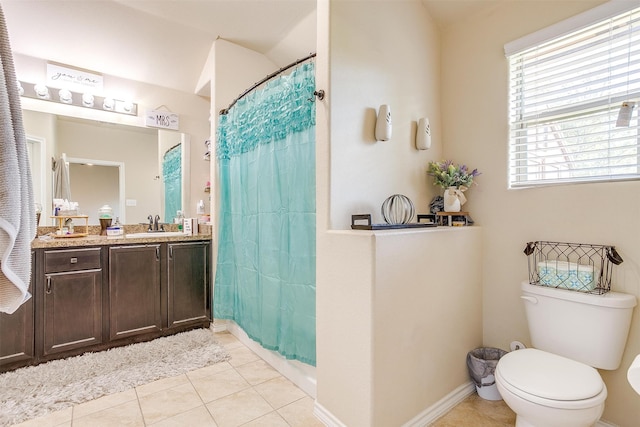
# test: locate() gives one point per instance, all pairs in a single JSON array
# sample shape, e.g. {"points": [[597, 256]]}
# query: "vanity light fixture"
{"points": [[42, 91], [83, 100], [65, 96]]}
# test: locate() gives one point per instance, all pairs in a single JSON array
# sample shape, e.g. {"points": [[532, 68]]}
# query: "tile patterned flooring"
{"points": [[477, 412], [245, 391]]}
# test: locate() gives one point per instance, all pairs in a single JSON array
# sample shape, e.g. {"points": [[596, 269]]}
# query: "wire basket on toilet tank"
{"points": [[578, 267]]}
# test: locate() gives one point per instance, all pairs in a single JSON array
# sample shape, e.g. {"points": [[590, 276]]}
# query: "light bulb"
{"points": [[87, 100], [108, 104], [41, 91], [65, 96]]}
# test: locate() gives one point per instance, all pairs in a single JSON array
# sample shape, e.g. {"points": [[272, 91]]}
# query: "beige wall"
{"points": [[381, 53], [396, 314], [396, 319], [474, 70]]}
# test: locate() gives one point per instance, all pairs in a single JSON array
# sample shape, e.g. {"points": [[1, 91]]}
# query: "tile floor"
{"points": [[245, 391], [477, 412]]}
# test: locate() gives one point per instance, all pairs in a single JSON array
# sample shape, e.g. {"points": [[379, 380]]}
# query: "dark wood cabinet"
{"points": [[71, 296], [188, 283], [134, 290], [93, 298], [16, 332]]}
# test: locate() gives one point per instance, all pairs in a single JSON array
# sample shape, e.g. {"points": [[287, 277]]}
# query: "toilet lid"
{"points": [[549, 376]]}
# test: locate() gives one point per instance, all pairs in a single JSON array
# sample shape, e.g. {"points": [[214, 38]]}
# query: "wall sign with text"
{"points": [[161, 119], [74, 79]]}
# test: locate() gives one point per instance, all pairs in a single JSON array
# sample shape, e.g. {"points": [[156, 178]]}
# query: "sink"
{"points": [[155, 234], [633, 375]]}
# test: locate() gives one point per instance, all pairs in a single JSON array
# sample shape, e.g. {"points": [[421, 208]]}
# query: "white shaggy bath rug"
{"points": [[34, 391]]}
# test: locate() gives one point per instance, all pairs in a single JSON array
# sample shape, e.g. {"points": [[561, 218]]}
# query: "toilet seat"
{"points": [[550, 380]]}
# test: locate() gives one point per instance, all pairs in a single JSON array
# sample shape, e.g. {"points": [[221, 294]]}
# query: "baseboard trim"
{"points": [[442, 406], [424, 418], [219, 325], [301, 374], [604, 423], [326, 417]]}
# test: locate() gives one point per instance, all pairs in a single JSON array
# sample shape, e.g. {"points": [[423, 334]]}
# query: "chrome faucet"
{"points": [[154, 224]]}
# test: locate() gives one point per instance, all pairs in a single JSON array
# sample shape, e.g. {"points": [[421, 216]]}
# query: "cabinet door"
{"points": [[188, 286], [134, 290], [72, 310], [16, 332]]}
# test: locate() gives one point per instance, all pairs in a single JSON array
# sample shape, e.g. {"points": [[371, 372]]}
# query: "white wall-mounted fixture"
{"points": [[423, 134], [633, 374], [383, 124], [77, 99], [625, 113]]}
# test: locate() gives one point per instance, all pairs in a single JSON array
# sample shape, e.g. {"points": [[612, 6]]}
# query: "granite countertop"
{"points": [[46, 240], [95, 240]]}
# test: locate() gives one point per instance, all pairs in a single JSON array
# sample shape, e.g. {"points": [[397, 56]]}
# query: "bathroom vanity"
{"points": [[93, 293]]}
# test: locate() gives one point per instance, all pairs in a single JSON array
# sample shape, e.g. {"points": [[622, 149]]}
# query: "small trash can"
{"points": [[482, 365]]}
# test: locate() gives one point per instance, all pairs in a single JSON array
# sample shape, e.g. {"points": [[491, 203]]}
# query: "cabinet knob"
{"points": [[73, 260]]}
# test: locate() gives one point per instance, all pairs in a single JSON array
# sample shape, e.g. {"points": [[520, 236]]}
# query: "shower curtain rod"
{"points": [[269, 77]]}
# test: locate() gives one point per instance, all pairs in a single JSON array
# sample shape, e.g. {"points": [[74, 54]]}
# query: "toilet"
{"points": [[556, 384]]}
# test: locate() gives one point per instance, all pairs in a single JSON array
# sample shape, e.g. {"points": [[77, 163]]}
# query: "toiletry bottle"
{"points": [[69, 225], [119, 226], [179, 219]]}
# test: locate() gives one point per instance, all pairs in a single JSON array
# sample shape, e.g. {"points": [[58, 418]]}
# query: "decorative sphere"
{"points": [[398, 209]]}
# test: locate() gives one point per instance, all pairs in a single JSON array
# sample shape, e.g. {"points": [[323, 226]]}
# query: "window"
{"points": [[566, 94]]}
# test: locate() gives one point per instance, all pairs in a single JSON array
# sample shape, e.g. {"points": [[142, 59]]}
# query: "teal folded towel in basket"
{"points": [[568, 275]]}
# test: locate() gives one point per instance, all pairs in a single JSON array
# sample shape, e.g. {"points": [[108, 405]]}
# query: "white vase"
{"points": [[451, 200]]}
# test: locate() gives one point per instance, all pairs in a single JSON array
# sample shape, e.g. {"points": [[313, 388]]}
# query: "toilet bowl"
{"points": [[555, 383], [547, 390]]}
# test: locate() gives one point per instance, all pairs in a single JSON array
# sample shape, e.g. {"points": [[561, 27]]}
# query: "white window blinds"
{"points": [[565, 97]]}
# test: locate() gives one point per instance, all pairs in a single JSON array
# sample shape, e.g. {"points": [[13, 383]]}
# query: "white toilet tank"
{"points": [[589, 328]]}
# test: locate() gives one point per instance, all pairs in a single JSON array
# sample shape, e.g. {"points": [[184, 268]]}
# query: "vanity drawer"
{"points": [[71, 260]]}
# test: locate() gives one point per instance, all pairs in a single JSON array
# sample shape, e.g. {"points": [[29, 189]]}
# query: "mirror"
{"points": [[126, 167]]}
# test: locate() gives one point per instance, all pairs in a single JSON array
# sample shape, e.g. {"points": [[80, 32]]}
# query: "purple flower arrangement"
{"points": [[447, 174]]}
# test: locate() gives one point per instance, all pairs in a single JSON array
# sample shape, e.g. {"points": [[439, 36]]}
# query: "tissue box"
{"points": [[568, 275], [68, 212]]}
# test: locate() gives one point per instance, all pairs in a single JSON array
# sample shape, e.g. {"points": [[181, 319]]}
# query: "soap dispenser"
{"points": [[119, 227]]}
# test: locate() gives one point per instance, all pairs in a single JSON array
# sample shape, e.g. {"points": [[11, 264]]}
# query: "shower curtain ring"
{"points": [[319, 94]]}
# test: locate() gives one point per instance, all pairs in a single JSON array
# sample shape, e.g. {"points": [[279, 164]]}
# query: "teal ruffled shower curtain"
{"points": [[172, 181], [265, 276]]}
